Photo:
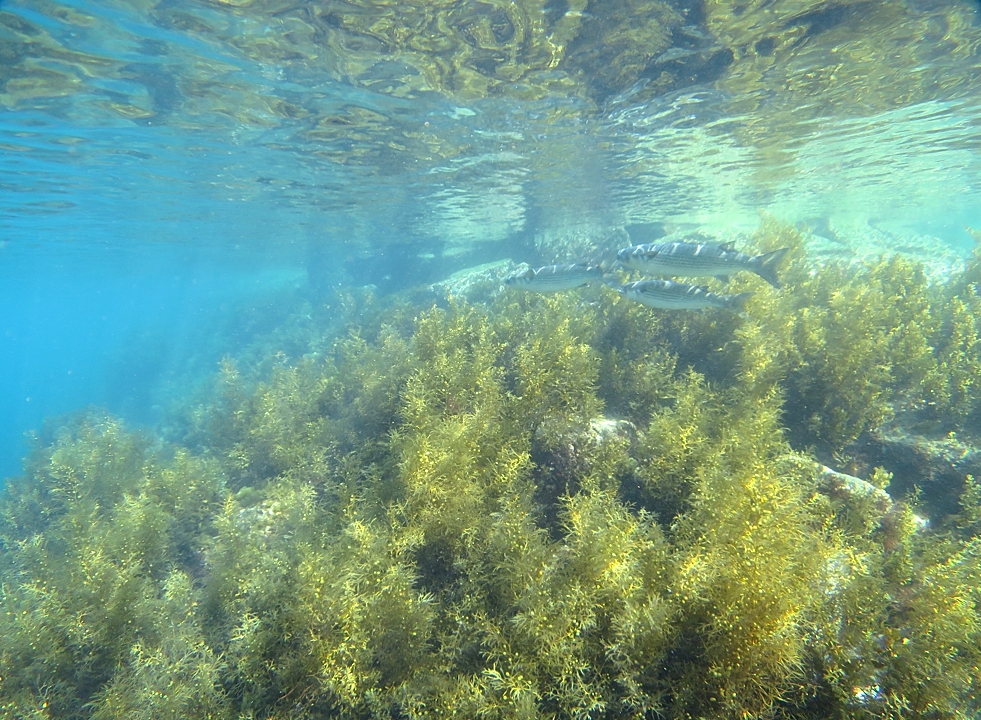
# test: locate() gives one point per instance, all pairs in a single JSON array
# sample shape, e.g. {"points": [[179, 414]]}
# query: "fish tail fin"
{"points": [[737, 302], [609, 273], [765, 265], [608, 265], [594, 274]]}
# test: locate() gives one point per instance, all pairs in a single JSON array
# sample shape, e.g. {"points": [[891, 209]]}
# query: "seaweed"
{"points": [[531, 507], [92, 582], [850, 345]]}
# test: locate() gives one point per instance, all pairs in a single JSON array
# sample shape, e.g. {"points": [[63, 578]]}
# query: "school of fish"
{"points": [[672, 259]]}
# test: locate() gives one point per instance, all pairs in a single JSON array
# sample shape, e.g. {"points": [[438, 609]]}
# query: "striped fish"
{"points": [[553, 278], [680, 296], [693, 259]]}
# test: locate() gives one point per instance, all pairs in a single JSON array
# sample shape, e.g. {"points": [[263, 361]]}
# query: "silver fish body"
{"points": [[554, 278], [695, 259], [672, 295]]}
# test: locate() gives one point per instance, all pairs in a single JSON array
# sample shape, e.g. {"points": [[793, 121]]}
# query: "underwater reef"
{"points": [[523, 506]]}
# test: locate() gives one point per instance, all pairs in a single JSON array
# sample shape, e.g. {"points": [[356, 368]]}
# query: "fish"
{"points": [[680, 296], [694, 259], [554, 278]]}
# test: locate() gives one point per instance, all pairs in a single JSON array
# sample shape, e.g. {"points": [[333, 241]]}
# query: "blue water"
{"points": [[83, 329], [163, 168]]}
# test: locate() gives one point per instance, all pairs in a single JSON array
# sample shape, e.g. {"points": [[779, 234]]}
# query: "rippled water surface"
{"points": [[170, 157]]}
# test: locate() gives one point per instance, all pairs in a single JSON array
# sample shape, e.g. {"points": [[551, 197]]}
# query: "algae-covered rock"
{"points": [[935, 469], [486, 279], [584, 244]]}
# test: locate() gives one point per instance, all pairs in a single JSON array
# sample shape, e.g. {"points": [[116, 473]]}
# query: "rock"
{"points": [[602, 430], [586, 244], [561, 454], [934, 467], [487, 278], [844, 486], [863, 242], [599, 431], [854, 493]]}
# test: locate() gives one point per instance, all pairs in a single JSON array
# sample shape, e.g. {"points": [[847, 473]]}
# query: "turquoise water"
{"points": [[160, 161]]}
